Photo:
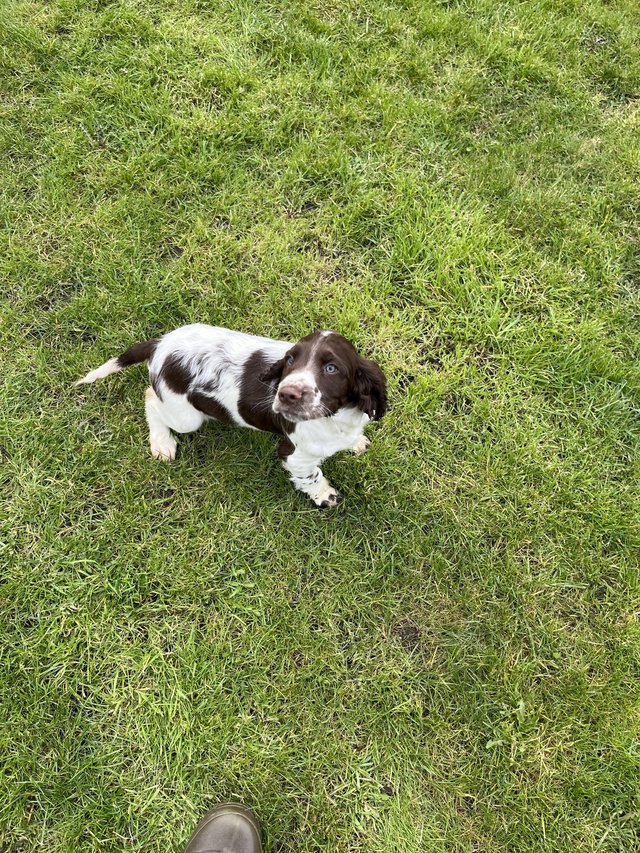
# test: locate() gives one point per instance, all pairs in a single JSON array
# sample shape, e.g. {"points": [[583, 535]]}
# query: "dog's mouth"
{"points": [[298, 414]]}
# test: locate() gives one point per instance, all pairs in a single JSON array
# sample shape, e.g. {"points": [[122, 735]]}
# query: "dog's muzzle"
{"points": [[297, 402]]}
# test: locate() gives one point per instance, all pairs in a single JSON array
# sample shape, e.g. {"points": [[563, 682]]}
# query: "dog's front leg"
{"points": [[304, 470]]}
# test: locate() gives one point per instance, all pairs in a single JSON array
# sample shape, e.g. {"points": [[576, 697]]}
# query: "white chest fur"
{"points": [[322, 437]]}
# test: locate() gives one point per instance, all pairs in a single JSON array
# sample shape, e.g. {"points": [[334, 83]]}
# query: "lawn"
{"points": [[450, 660]]}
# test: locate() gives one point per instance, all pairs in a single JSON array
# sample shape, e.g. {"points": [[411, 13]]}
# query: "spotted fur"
{"points": [[318, 394]]}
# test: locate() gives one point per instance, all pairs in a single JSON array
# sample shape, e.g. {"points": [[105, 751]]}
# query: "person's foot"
{"points": [[227, 828]]}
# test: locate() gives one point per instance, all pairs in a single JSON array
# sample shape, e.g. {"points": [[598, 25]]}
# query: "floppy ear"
{"points": [[273, 373], [371, 389]]}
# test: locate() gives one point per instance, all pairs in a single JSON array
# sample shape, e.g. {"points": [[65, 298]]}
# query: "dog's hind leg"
{"points": [[162, 441]]}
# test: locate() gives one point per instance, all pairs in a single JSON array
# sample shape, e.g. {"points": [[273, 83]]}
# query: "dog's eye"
{"points": [[330, 368], [288, 360]]}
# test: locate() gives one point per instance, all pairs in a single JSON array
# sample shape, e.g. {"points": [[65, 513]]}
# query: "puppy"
{"points": [[318, 394]]}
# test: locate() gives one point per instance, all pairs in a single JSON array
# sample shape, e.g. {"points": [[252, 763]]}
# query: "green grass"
{"points": [[450, 660]]}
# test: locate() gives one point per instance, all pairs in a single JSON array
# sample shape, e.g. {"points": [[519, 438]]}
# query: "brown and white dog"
{"points": [[318, 394]]}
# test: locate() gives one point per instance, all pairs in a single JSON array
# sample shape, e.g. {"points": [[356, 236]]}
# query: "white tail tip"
{"points": [[106, 369]]}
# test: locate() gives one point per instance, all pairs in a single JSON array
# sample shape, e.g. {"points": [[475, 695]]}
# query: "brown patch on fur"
{"points": [[285, 449], [137, 353], [175, 375], [210, 407], [256, 397]]}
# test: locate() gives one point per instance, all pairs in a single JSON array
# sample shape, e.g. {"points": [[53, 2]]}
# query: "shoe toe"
{"points": [[230, 828]]}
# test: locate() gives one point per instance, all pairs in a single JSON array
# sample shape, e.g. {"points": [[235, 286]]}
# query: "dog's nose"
{"points": [[290, 394]]}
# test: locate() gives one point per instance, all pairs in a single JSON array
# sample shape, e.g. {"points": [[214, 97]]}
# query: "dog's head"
{"points": [[321, 374]]}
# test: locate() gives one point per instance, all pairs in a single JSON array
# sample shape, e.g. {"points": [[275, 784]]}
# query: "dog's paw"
{"points": [[327, 497], [361, 445], [163, 447], [333, 500]]}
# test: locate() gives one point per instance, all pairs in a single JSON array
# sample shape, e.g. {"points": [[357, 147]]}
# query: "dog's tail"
{"points": [[134, 355]]}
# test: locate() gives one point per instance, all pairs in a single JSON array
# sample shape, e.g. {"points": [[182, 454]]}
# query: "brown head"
{"points": [[321, 374]]}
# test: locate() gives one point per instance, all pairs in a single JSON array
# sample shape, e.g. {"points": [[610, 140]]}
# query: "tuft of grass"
{"points": [[450, 660]]}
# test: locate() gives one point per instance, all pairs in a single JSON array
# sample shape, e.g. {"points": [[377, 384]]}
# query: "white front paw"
{"points": [[326, 496], [163, 447], [361, 445]]}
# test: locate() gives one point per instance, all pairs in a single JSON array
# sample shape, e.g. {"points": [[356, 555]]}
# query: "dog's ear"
{"points": [[371, 389], [273, 373]]}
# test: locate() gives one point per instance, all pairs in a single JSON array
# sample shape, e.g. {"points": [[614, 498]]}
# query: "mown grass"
{"points": [[448, 661]]}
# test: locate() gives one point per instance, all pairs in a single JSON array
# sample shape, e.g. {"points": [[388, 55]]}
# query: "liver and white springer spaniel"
{"points": [[317, 394]]}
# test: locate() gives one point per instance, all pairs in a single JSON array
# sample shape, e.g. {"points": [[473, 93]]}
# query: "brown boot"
{"points": [[227, 828]]}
